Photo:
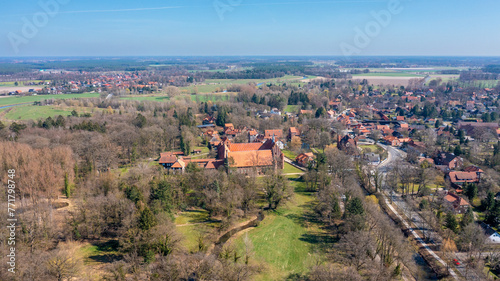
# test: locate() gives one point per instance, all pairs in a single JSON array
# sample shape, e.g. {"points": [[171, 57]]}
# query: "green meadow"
{"points": [[30, 99], [35, 112], [287, 241]]}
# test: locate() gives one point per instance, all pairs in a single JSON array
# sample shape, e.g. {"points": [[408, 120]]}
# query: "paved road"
{"points": [[387, 165]]}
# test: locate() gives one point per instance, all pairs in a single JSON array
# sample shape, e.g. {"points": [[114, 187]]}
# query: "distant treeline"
{"points": [[76, 65], [261, 71], [492, 68], [450, 71], [478, 75], [405, 62]]}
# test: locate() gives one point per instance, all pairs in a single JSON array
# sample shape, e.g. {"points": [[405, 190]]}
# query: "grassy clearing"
{"points": [[292, 108], [30, 99], [100, 252], [191, 224], [191, 216], [286, 241], [190, 234]]}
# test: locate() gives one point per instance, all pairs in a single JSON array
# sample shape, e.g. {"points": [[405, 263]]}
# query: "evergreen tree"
{"points": [[147, 219], [67, 187], [493, 216], [221, 117], [355, 207], [471, 191], [489, 202], [451, 222], [467, 218], [320, 112], [336, 212], [139, 121], [496, 149]]}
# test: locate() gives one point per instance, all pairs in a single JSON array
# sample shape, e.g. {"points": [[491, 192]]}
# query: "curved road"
{"points": [[395, 154]]}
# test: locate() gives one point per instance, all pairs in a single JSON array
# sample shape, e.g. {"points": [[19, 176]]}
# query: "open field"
{"points": [[24, 89], [34, 112], [29, 99], [387, 74], [286, 242], [210, 85], [444, 77], [420, 70], [21, 83]]}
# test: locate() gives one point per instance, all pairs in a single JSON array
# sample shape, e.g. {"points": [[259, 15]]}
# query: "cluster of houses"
{"points": [[258, 154]]}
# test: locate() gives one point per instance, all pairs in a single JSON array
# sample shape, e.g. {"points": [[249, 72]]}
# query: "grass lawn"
{"points": [[289, 169], [292, 108], [30, 99], [371, 147], [27, 112], [204, 149], [34, 112], [289, 154], [286, 242]]}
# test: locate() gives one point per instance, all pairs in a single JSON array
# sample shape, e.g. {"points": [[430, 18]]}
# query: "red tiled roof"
{"points": [[454, 199], [462, 176], [276, 133], [167, 157], [251, 158], [179, 164], [244, 146]]}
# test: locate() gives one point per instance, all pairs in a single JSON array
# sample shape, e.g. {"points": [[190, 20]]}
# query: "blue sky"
{"points": [[274, 27]]}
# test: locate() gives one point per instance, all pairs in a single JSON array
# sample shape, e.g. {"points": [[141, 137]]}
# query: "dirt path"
{"points": [[221, 238]]}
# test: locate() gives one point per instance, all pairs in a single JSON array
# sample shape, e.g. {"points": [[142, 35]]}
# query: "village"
{"points": [[328, 162]]}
